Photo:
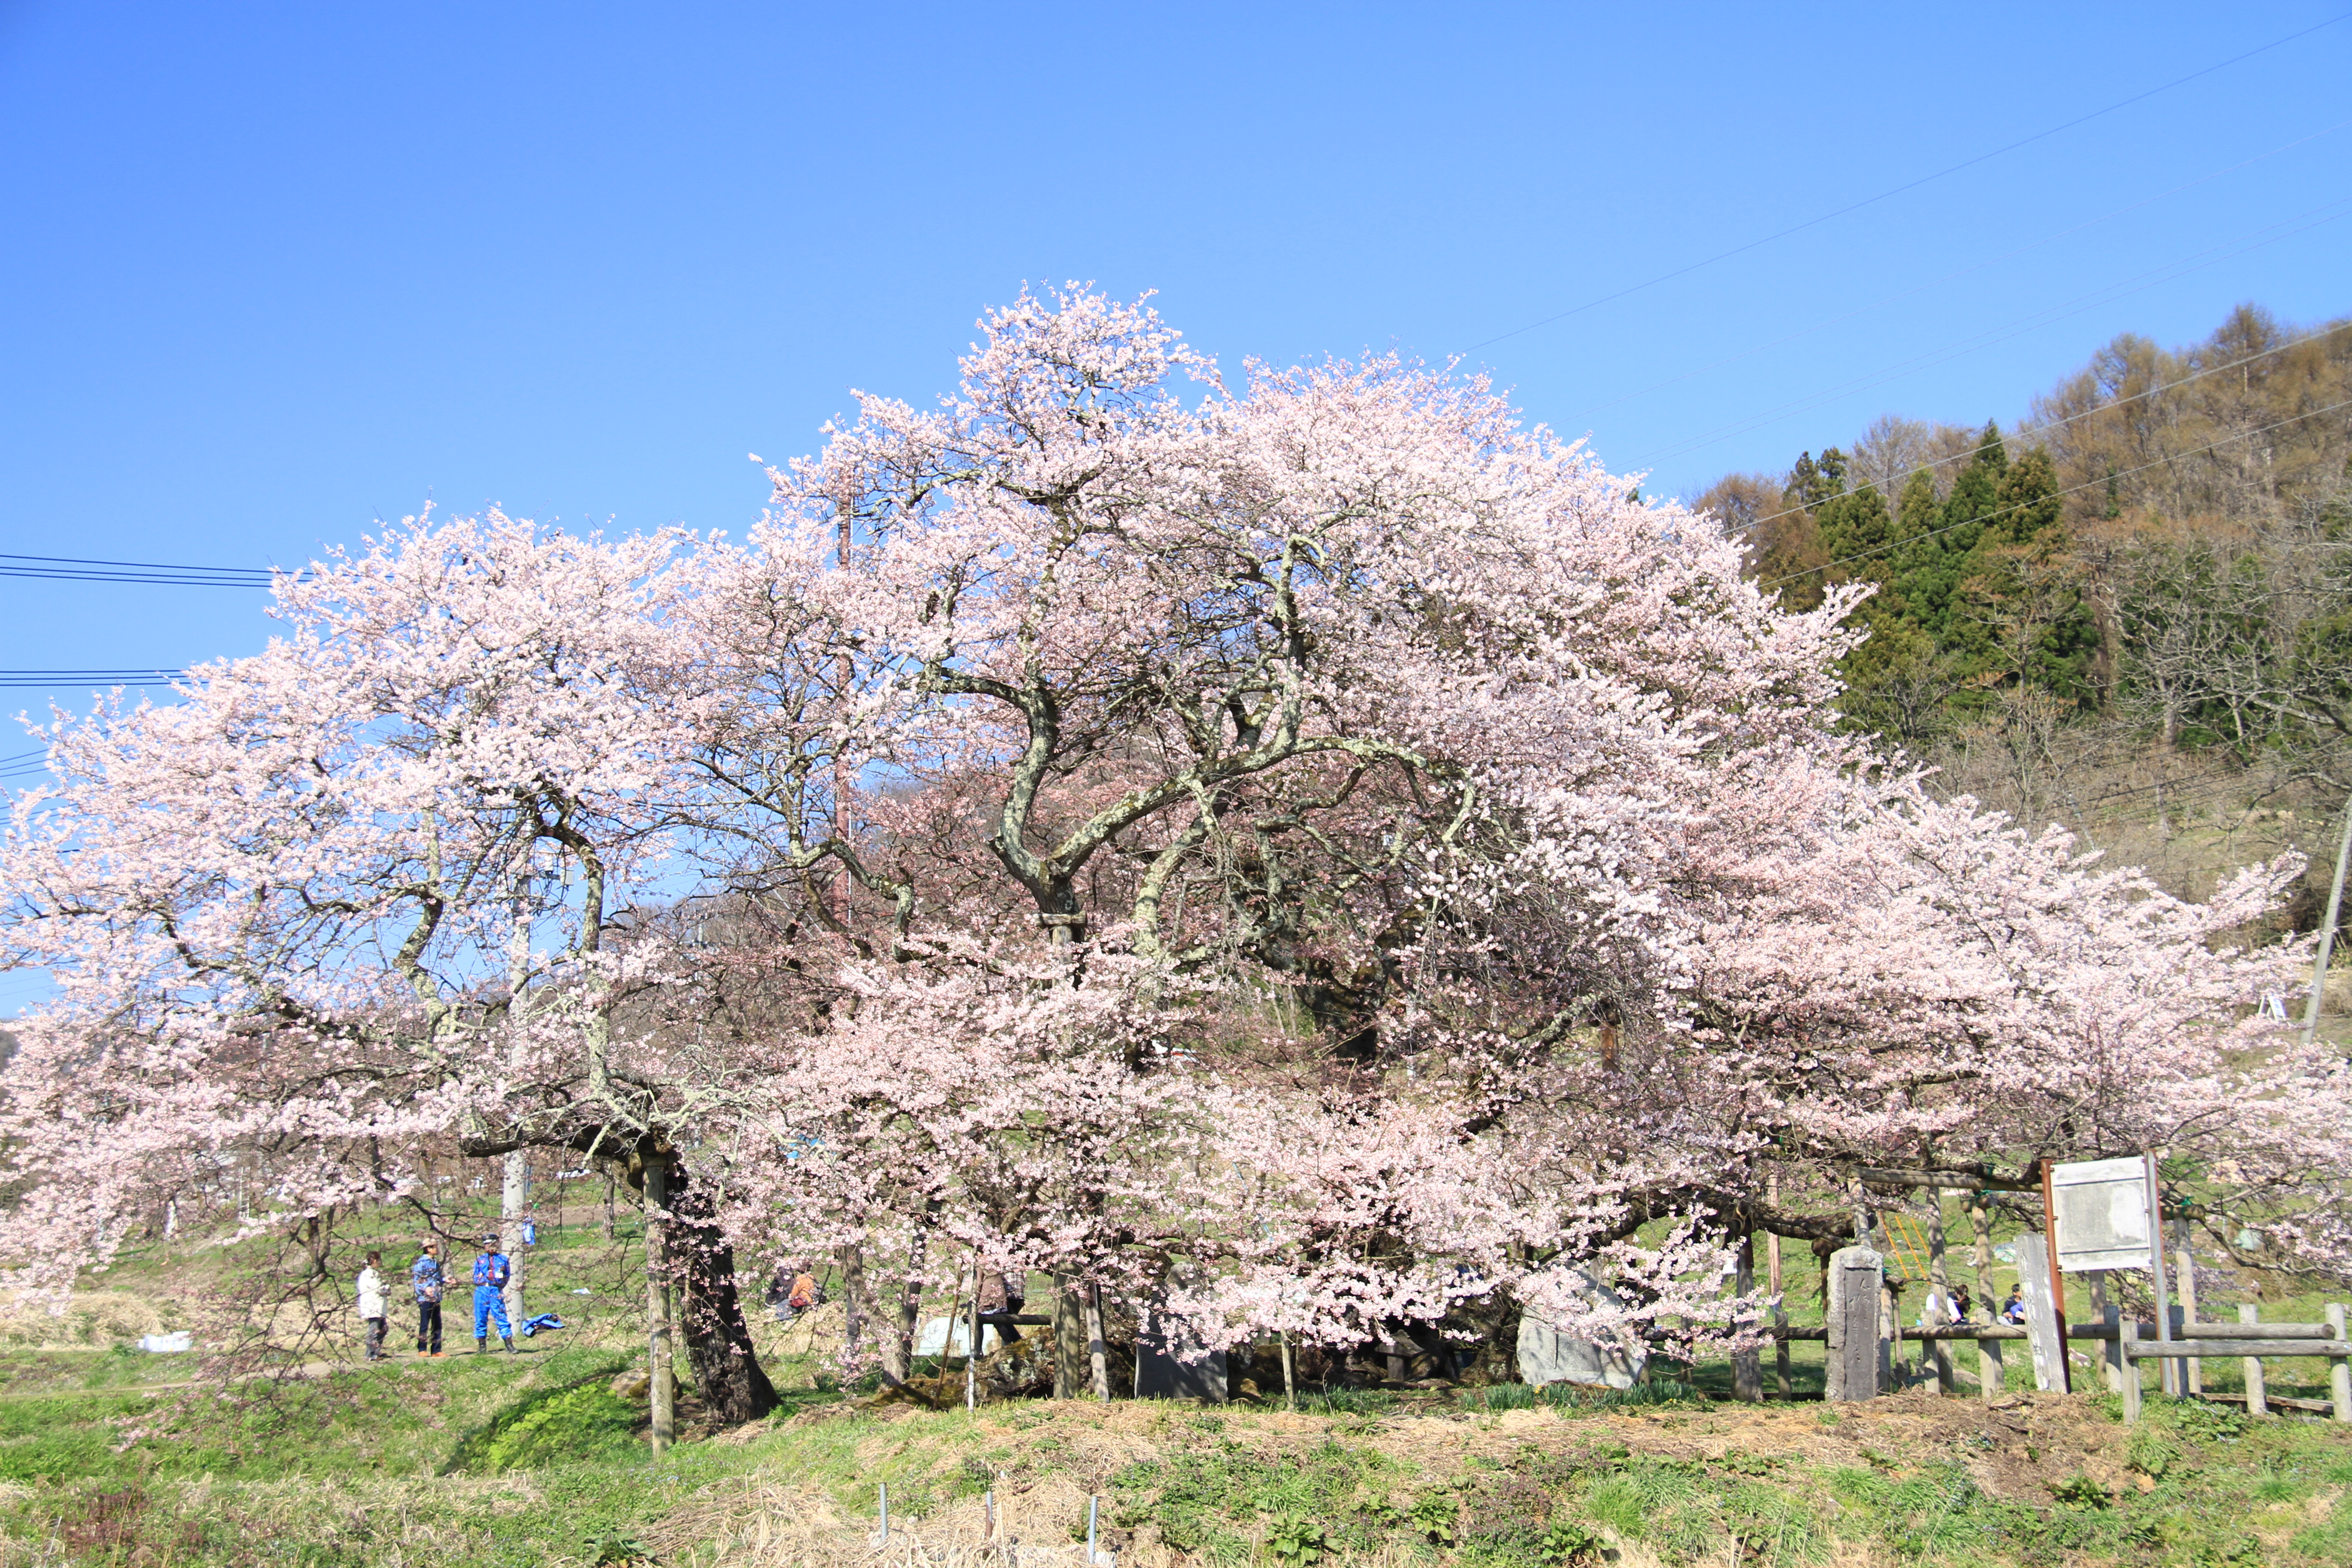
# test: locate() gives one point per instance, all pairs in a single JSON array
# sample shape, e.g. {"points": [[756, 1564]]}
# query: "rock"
{"points": [[1022, 1368], [1547, 1356], [635, 1383]]}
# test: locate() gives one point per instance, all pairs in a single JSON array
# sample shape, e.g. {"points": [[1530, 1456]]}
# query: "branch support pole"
{"points": [[657, 1333]]}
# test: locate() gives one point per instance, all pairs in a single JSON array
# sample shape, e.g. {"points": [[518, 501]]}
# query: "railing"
{"points": [[2249, 1338]]}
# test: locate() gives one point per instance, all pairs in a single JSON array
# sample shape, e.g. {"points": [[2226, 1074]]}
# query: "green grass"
{"points": [[532, 1460]]}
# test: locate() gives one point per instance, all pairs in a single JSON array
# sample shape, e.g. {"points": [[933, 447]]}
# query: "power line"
{"points": [[2039, 318], [37, 680], [1961, 272], [2101, 408], [1594, 304], [72, 569], [2054, 495]]}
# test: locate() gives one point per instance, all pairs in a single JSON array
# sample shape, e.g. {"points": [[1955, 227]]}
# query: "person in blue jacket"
{"points": [[491, 1271], [426, 1278]]}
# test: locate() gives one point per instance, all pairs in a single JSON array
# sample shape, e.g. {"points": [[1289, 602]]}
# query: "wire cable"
{"points": [[1883, 299], [39, 680], [1595, 303], [2031, 429], [72, 569], [2106, 294]]}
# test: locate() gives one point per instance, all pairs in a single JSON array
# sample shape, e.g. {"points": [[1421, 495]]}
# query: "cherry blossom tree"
{"points": [[1311, 850], [359, 892]]}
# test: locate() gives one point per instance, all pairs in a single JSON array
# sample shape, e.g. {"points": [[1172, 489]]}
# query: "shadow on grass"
{"points": [[577, 1419]]}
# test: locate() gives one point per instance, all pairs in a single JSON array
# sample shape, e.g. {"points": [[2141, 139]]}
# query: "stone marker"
{"points": [[1858, 1351]]}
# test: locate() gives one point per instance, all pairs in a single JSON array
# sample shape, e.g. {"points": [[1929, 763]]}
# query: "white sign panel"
{"points": [[2102, 1214]]}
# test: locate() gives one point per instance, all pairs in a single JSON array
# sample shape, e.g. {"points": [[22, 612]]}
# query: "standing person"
{"points": [[425, 1277], [371, 1313], [491, 1271]]}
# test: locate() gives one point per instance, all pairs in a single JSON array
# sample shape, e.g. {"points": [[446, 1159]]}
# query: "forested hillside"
{"points": [[2132, 613]]}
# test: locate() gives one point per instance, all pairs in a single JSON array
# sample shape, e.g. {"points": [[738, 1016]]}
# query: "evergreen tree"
{"points": [[2020, 612], [2029, 510], [1812, 483], [1940, 537], [1857, 524]]}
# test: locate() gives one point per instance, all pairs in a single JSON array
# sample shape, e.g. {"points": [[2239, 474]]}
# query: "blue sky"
{"points": [[272, 272]]}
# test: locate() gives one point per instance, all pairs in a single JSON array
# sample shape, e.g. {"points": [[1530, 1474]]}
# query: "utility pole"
{"points": [[2327, 930]]}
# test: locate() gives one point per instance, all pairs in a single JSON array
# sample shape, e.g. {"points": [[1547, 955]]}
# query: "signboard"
{"points": [[2101, 1209]]}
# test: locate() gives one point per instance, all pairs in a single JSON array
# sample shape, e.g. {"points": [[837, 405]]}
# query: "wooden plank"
{"points": [[2256, 1331], [1958, 1180], [2176, 1350], [2316, 1406]]}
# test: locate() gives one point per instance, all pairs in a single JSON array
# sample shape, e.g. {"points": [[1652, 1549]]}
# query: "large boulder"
{"points": [[1547, 1356]]}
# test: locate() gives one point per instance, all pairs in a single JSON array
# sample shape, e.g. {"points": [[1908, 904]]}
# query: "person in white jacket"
{"points": [[372, 1307]]}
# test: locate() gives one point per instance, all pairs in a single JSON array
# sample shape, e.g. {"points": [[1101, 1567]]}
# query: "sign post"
{"points": [[2170, 1373], [2104, 1215]]}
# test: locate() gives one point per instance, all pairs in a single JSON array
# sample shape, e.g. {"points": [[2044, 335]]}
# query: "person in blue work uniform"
{"points": [[490, 1273]]}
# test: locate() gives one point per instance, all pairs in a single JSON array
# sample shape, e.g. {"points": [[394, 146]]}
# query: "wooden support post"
{"points": [[2185, 1272], [1940, 1305], [1992, 1373], [1780, 1308], [2257, 1395], [2104, 1308], [1747, 1366], [2130, 1328], [2339, 1372], [2111, 1354], [664, 1429]]}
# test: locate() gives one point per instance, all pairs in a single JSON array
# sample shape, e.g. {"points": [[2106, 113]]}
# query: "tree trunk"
{"points": [[735, 1389], [897, 1330], [1098, 1349], [514, 1201], [853, 1305]]}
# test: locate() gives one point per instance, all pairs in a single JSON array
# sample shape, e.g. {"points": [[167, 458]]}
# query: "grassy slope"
{"points": [[2038, 1479], [110, 1455]]}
